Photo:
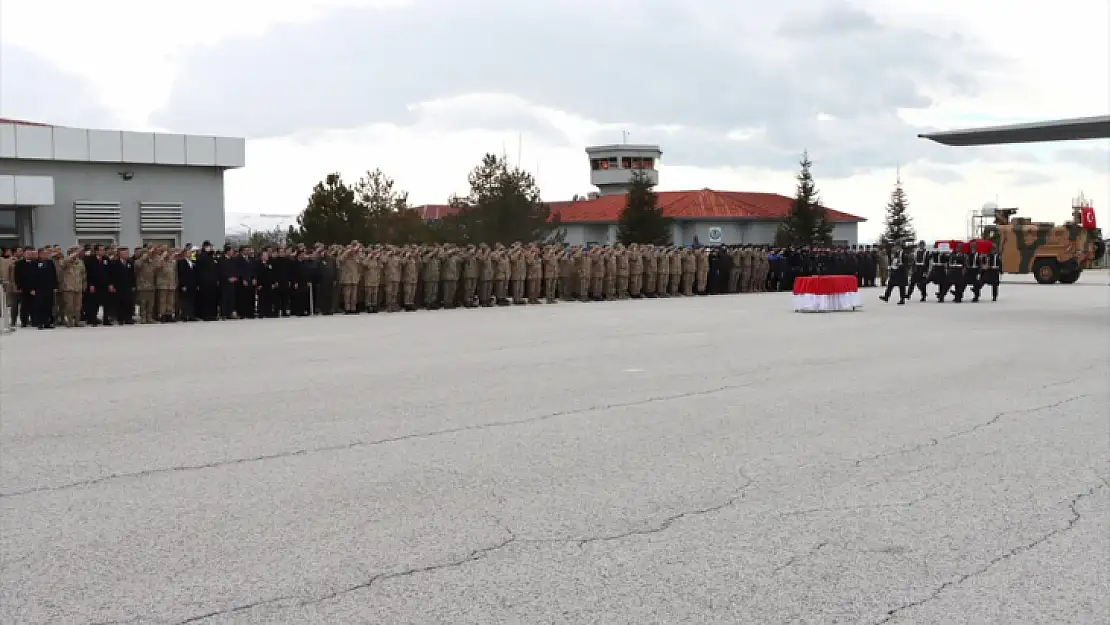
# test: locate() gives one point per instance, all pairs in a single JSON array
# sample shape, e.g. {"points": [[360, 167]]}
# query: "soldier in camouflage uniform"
{"points": [[551, 271], [430, 278], [349, 270], [609, 282], [624, 267], [663, 273], [145, 268], [71, 285], [165, 283], [701, 267], [470, 273], [372, 280], [650, 256]]}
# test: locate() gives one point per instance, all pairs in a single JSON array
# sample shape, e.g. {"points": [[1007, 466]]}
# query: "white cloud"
{"points": [[1042, 61]]}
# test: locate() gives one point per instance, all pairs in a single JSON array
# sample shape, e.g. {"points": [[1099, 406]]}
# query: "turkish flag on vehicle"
{"points": [[1088, 215]]}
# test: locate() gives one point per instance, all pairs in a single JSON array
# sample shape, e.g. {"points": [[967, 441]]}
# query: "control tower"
{"points": [[612, 166]]}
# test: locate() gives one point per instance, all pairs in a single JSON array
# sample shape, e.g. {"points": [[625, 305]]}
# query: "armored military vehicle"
{"points": [[1050, 252]]}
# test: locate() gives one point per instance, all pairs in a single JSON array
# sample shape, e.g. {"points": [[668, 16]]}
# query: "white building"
{"points": [[66, 186]]}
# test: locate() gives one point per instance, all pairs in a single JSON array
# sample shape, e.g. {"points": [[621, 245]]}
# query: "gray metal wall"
{"points": [[200, 190]]}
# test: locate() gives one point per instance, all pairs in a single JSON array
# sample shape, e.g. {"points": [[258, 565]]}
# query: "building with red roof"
{"points": [[706, 216]]}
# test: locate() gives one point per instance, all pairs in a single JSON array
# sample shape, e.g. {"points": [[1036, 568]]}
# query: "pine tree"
{"points": [[641, 220], [503, 206], [808, 222], [333, 215], [898, 224]]}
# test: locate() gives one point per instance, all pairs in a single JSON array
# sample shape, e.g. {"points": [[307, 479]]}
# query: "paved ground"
{"points": [[709, 460]]}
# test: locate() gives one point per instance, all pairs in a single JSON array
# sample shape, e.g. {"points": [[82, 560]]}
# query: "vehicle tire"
{"points": [[1046, 271], [1070, 277]]}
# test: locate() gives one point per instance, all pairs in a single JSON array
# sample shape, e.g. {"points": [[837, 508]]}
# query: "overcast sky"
{"points": [[733, 90]]}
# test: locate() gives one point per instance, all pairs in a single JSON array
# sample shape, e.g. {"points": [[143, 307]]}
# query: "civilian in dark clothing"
{"points": [[121, 280], [44, 287], [323, 283], [283, 270], [96, 287], [300, 277], [267, 285], [248, 283], [208, 283], [229, 283], [186, 289], [21, 275]]}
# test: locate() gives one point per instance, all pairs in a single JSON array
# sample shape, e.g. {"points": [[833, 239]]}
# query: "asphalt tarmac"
{"points": [[692, 460]]}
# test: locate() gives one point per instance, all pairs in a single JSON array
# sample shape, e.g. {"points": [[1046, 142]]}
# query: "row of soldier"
{"points": [[95, 284], [953, 271]]}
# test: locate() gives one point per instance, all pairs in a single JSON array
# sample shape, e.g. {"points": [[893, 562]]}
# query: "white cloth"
{"points": [[828, 303]]}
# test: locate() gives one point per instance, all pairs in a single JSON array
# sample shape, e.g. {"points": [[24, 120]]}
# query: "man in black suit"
{"points": [[21, 277], [44, 287], [96, 286], [208, 283], [121, 285], [247, 276], [187, 287]]}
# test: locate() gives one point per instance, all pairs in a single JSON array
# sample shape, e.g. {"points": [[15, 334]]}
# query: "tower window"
{"points": [[648, 163], [626, 162]]}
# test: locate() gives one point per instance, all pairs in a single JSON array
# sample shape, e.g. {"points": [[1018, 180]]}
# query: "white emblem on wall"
{"points": [[715, 235]]}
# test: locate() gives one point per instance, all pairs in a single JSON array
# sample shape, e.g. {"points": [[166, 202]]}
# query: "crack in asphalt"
{"points": [[475, 555], [1071, 522], [383, 441], [875, 506], [798, 557], [933, 442]]}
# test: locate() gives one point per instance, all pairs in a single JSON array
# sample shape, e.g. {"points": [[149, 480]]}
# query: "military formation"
{"points": [[94, 285], [969, 266]]}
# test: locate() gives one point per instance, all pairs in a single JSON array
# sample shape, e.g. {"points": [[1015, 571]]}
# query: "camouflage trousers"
{"points": [[164, 304], [534, 290], [371, 296], [146, 301], [661, 283], [408, 294], [884, 275], [650, 278], [622, 287], [549, 289], [431, 293], [469, 290], [450, 293], [485, 292], [70, 308], [595, 285], [610, 285], [501, 289], [733, 280], [687, 283], [349, 293], [635, 284], [702, 281], [518, 291], [583, 288], [391, 302]]}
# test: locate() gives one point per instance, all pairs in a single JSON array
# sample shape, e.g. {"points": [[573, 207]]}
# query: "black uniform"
{"points": [[323, 284], [990, 272], [957, 276], [229, 284], [96, 291], [919, 278], [282, 277], [938, 273], [971, 273], [267, 287], [898, 275], [245, 274], [187, 289], [44, 286], [208, 285], [121, 275], [23, 278], [300, 274]]}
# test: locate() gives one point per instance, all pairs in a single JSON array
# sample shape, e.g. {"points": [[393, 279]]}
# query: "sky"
{"points": [[732, 90]]}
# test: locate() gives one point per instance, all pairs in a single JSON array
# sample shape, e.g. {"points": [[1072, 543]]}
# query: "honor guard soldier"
{"points": [[897, 277], [971, 273], [989, 273], [957, 275], [938, 272], [920, 275]]}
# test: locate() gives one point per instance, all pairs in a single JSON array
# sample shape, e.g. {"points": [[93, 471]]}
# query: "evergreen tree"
{"points": [[390, 219], [898, 224], [333, 215], [641, 220], [503, 206], [808, 222]]}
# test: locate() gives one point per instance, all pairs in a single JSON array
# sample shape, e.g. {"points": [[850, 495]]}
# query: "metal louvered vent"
{"points": [[96, 217], [161, 217]]}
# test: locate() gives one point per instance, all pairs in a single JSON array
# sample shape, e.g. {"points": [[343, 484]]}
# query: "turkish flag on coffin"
{"points": [[1088, 214]]}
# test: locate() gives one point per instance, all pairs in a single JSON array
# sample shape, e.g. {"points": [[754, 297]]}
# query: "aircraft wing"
{"points": [[1077, 129]]}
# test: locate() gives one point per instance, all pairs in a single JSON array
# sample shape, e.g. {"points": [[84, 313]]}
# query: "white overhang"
{"points": [[80, 145], [26, 190]]}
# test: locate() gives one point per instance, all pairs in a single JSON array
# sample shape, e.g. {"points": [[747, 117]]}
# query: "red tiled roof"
{"points": [[439, 211], [20, 122], [703, 204]]}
